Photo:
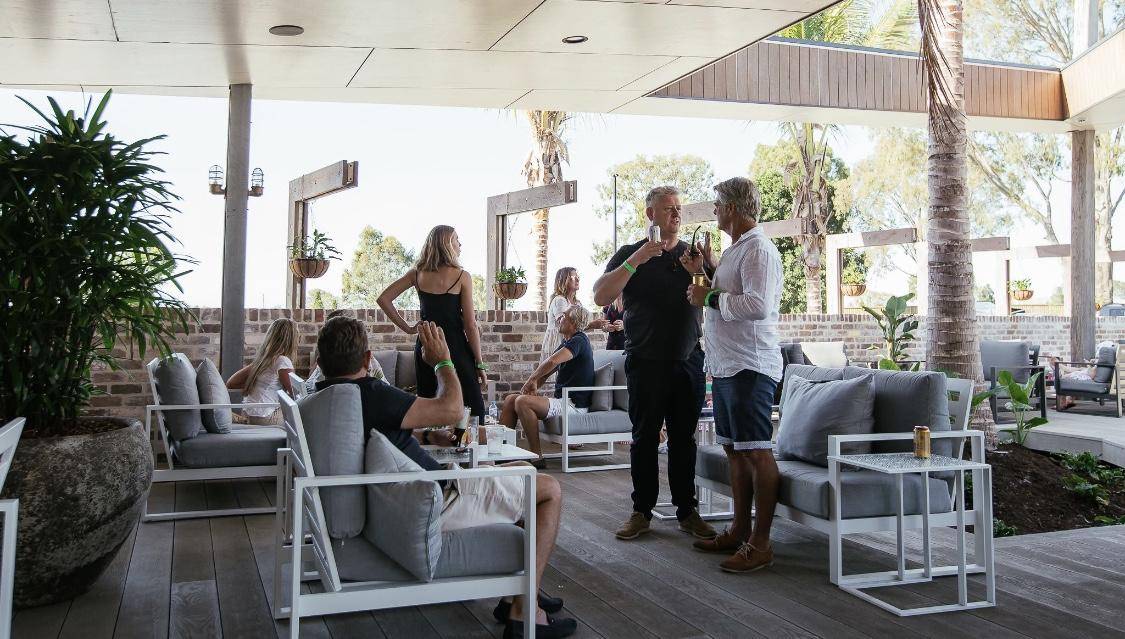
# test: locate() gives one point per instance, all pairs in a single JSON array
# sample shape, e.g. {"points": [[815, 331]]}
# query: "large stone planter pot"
{"points": [[80, 497]]}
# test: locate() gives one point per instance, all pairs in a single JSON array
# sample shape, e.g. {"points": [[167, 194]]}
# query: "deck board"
{"points": [[200, 578]]}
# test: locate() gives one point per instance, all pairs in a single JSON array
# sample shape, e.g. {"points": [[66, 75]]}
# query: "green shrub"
{"points": [[1000, 529], [1086, 488]]}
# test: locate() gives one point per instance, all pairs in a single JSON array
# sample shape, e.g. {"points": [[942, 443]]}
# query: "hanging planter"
{"points": [[1021, 290], [511, 283], [853, 290], [308, 259], [308, 268]]}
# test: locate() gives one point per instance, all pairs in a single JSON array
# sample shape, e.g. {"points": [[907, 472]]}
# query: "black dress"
{"points": [[444, 309], [614, 341]]}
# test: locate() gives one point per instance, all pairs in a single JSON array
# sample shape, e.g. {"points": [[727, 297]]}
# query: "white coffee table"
{"points": [[476, 454], [899, 465]]}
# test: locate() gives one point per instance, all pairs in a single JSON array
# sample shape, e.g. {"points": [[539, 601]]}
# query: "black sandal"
{"points": [[549, 604]]}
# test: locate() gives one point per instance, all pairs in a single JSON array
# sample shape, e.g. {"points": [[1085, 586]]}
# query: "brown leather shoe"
{"points": [[748, 559], [723, 542], [637, 525], [695, 526]]}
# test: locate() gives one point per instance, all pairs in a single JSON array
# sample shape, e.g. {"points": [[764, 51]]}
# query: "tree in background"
{"points": [[768, 172], [884, 24], [480, 294], [320, 298], [1041, 32], [378, 260], [888, 190], [691, 174], [543, 167]]}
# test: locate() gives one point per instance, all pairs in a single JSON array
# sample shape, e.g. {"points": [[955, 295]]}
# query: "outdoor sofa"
{"points": [[883, 416], [606, 422], [368, 521]]}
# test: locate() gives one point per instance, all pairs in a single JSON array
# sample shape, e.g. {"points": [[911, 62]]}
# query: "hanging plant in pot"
{"points": [[86, 266], [1021, 290], [511, 283], [308, 257], [853, 284]]}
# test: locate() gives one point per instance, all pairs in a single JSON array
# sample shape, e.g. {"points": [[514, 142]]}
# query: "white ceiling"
{"points": [[484, 53]]}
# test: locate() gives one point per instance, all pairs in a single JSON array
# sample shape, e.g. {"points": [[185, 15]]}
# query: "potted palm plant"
{"points": [[1021, 289], [897, 327], [308, 257], [86, 273], [511, 283]]}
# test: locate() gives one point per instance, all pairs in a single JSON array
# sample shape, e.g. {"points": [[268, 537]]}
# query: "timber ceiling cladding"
{"points": [[483, 53]]}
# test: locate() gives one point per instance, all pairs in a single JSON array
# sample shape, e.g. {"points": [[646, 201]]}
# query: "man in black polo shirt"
{"points": [[663, 365]]}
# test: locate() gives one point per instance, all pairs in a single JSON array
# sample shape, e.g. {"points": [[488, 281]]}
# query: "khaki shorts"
{"points": [[482, 501]]}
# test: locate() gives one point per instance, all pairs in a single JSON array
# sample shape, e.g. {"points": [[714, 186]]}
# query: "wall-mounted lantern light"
{"points": [[257, 182], [215, 179]]}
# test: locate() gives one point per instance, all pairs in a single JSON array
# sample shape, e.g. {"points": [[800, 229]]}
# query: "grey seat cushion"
{"points": [[1005, 355], [610, 421], [1081, 386], [175, 384], [617, 360], [403, 519], [333, 424], [905, 399], [805, 487], [1107, 358], [388, 361], [213, 390], [405, 374], [602, 400], [240, 447], [496, 549], [812, 411]]}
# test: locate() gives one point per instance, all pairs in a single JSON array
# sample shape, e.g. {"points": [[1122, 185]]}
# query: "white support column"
{"points": [[1087, 20], [922, 294], [232, 339]]}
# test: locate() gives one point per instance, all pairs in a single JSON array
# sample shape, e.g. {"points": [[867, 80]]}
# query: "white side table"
{"points": [[476, 454], [899, 465]]}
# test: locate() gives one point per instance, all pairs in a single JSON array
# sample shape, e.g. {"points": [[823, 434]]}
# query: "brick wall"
{"points": [[511, 339]]}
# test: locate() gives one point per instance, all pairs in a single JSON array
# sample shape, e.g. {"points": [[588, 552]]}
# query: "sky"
{"points": [[419, 167]]}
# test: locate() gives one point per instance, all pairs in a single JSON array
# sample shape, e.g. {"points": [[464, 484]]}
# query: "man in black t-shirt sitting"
{"points": [[479, 501], [574, 360]]}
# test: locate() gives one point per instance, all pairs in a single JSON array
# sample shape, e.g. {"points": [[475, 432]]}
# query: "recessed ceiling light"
{"points": [[287, 30], [1080, 120], [575, 39]]}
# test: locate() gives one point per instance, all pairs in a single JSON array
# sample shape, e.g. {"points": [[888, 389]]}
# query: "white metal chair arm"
{"points": [[425, 475], [570, 389]]}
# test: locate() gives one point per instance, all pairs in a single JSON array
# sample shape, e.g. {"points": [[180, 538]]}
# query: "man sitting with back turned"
{"points": [[344, 354], [574, 359]]}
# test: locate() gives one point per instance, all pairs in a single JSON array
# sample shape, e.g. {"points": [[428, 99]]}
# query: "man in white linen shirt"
{"points": [[740, 334]]}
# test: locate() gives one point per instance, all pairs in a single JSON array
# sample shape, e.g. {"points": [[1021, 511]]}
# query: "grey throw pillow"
{"points": [[403, 519], [1107, 358], [213, 390], [620, 397], [815, 410], [175, 383], [602, 400], [388, 362], [333, 421]]}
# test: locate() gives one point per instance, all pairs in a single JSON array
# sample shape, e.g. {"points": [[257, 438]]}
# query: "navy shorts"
{"points": [[743, 404]]}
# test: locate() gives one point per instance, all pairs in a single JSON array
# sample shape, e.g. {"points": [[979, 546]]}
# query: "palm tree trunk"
{"points": [[952, 342], [542, 217]]}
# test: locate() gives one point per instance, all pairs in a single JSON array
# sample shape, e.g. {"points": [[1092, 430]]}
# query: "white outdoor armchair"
{"points": [[9, 438]]}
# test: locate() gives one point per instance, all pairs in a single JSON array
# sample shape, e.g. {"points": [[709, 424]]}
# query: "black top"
{"points": [[614, 341], [384, 408], [578, 371], [660, 323]]}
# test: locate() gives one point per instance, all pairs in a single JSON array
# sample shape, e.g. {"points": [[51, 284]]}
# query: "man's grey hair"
{"points": [[741, 194], [580, 315], [659, 192]]}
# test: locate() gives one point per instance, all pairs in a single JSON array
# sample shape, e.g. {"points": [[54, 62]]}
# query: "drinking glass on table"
{"points": [[495, 440]]}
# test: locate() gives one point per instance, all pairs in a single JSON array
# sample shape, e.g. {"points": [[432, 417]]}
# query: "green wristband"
{"points": [[482, 366], [629, 267], [442, 364], [707, 299]]}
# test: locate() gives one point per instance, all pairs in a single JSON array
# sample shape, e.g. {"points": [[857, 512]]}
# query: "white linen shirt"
{"points": [[742, 334]]}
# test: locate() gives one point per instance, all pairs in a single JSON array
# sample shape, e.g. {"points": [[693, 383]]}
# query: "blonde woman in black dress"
{"points": [[445, 295]]}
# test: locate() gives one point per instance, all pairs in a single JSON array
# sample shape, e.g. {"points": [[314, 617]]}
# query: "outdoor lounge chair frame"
{"points": [[836, 528], [1039, 392], [1114, 386], [9, 508], [566, 439], [169, 473], [301, 516]]}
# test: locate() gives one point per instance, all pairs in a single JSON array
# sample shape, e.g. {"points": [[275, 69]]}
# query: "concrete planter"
{"points": [[80, 497]]}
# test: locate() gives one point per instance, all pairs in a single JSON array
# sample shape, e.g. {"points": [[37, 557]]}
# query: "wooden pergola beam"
{"points": [[511, 203], [302, 190]]}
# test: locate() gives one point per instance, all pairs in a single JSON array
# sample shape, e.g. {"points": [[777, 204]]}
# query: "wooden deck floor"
{"points": [[208, 578]]}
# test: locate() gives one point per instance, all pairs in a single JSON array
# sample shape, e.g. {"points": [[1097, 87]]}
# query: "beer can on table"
{"points": [[922, 442]]}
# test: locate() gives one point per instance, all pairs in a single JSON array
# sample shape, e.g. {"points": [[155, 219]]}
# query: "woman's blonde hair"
{"points": [[438, 250], [561, 276], [281, 339]]}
